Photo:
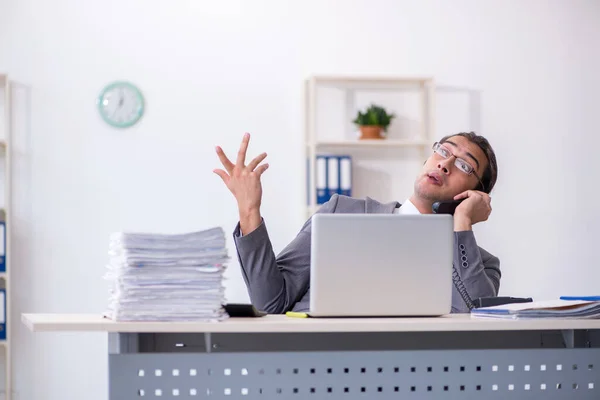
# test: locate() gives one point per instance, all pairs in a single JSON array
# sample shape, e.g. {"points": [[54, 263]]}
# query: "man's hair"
{"points": [[490, 175]]}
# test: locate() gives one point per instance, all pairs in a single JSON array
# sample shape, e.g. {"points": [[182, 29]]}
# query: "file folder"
{"points": [[321, 180], [542, 309], [2, 246], [333, 176], [345, 175], [2, 314]]}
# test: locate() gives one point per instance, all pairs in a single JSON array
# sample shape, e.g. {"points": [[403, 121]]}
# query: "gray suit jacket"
{"points": [[277, 284]]}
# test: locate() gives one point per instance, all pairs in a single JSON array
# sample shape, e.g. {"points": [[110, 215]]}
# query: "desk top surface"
{"points": [[281, 323]]}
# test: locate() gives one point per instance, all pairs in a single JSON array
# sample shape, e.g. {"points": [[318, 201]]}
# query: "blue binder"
{"points": [[345, 178], [333, 175], [321, 179], [2, 246], [3, 314]]}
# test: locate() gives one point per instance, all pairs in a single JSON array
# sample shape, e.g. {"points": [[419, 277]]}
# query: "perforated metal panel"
{"points": [[435, 374]]}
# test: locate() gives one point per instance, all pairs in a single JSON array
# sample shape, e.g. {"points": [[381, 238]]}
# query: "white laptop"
{"points": [[368, 265]]}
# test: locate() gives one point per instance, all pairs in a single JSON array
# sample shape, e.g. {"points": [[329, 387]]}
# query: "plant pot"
{"points": [[371, 132]]}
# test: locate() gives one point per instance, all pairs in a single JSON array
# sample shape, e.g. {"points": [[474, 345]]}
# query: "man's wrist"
{"points": [[462, 223], [250, 219], [249, 212]]}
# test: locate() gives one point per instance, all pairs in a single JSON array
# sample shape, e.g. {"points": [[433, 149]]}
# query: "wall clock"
{"points": [[121, 104]]}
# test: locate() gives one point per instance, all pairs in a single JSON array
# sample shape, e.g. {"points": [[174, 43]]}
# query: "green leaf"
{"points": [[374, 115]]}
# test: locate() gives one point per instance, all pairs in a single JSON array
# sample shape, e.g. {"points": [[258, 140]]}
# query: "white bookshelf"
{"points": [[366, 143], [5, 153], [344, 138]]}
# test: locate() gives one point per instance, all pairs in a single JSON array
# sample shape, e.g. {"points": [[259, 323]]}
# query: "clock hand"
{"points": [[117, 108], [119, 105]]}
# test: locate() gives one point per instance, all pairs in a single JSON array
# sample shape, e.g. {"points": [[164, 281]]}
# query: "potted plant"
{"points": [[373, 121]]}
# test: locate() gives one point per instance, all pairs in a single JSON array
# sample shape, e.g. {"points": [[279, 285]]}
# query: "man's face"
{"points": [[441, 179]]}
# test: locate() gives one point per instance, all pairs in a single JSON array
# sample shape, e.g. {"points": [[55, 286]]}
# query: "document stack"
{"points": [[167, 277], [565, 307]]}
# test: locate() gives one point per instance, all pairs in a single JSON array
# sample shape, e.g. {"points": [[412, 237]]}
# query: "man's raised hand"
{"points": [[244, 183]]}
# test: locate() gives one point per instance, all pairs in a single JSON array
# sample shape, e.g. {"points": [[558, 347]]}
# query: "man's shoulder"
{"points": [[339, 203], [348, 204]]}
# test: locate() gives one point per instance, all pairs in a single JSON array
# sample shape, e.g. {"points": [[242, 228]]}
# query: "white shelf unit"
{"points": [[5, 153], [346, 138]]}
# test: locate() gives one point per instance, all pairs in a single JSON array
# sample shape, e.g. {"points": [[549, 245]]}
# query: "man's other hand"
{"points": [[475, 208]]}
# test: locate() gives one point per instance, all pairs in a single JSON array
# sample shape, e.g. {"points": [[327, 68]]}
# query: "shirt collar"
{"points": [[407, 208]]}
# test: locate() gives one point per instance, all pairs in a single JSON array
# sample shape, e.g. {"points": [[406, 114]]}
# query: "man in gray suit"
{"points": [[461, 166]]}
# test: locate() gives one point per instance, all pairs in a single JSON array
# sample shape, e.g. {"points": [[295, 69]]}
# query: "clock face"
{"points": [[121, 104]]}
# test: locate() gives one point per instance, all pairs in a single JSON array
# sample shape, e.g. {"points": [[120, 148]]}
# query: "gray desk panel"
{"points": [[416, 374], [354, 341]]}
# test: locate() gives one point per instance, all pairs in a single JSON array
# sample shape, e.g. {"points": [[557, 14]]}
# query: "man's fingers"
{"points": [[254, 163], [224, 160], [462, 195], [261, 168], [487, 198], [241, 158], [222, 174]]}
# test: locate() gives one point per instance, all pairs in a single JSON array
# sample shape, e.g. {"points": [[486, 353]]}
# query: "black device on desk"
{"points": [[243, 310], [498, 301]]}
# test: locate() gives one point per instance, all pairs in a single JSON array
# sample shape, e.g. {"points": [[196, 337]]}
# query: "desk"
{"points": [[277, 357]]}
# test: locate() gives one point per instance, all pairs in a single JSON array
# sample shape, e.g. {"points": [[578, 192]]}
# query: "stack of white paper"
{"points": [[542, 309], [162, 277]]}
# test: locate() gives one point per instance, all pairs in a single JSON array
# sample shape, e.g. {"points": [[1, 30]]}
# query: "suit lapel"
{"points": [[375, 207]]}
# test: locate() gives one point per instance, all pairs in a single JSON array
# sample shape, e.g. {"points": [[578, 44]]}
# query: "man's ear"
{"points": [[479, 187]]}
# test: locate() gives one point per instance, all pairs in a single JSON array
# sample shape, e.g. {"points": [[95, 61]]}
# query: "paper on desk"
{"points": [[164, 277], [542, 309]]}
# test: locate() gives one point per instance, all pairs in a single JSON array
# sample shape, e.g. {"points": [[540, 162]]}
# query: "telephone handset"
{"points": [[446, 207]]}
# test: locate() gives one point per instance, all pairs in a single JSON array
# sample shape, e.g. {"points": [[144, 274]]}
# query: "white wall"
{"points": [[213, 70]]}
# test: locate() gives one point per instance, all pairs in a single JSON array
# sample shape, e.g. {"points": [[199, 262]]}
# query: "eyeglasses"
{"points": [[461, 164]]}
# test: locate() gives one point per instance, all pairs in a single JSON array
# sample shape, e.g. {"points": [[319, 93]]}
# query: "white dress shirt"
{"points": [[406, 208]]}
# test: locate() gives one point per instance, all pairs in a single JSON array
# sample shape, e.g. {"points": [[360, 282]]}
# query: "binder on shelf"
{"points": [[322, 188], [2, 314], [345, 175], [2, 246], [333, 176]]}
